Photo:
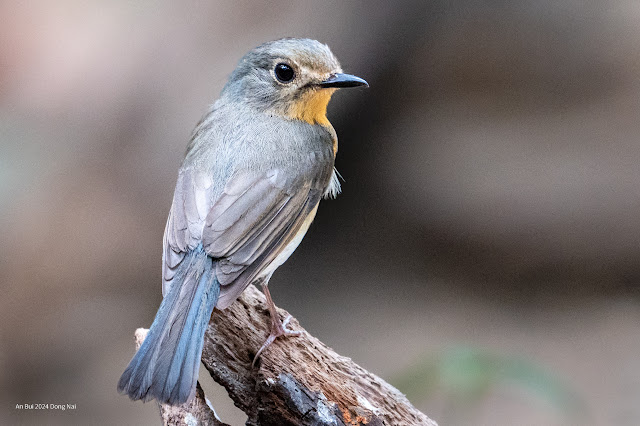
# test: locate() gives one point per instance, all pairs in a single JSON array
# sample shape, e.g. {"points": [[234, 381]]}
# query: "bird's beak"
{"points": [[339, 80]]}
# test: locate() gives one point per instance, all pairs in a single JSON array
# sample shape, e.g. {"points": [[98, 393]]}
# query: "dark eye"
{"points": [[284, 73]]}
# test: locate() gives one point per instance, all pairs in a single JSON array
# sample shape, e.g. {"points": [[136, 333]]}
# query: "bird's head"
{"points": [[290, 77]]}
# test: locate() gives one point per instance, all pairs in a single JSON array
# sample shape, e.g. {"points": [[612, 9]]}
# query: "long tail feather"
{"points": [[166, 365]]}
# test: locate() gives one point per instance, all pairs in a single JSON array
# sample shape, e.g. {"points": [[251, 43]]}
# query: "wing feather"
{"points": [[244, 229]]}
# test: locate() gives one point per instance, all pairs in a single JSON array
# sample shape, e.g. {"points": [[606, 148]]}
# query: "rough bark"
{"points": [[297, 380]]}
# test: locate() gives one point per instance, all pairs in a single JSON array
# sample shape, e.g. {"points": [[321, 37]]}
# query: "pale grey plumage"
{"points": [[246, 193], [270, 183]]}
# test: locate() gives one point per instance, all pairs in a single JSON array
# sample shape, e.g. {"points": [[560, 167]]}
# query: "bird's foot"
{"points": [[278, 329]]}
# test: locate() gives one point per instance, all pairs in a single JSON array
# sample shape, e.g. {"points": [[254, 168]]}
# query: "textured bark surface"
{"points": [[297, 380], [194, 413]]}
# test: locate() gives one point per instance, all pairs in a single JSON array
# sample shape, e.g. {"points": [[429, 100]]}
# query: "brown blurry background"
{"points": [[484, 256]]}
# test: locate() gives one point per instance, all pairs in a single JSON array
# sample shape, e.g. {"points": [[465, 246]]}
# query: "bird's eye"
{"points": [[284, 73]]}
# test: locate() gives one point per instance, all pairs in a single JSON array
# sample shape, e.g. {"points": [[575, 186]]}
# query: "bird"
{"points": [[256, 167]]}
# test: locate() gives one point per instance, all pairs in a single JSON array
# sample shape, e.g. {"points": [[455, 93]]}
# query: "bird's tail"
{"points": [[166, 365]]}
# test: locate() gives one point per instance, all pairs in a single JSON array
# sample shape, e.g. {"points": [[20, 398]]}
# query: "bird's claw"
{"points": [[278, 329]]}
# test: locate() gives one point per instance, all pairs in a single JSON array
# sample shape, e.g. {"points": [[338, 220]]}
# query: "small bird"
{"points": [[256, 167]]}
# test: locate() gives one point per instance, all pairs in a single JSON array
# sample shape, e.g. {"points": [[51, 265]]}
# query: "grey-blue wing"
{"points": [[245, 229], [192, 201], [251, 224]]}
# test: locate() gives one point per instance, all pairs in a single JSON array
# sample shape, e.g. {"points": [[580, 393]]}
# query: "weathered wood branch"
{"points": [[297, 380]]}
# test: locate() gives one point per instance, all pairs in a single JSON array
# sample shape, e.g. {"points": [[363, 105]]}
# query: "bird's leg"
{"points": [[277, 328]]}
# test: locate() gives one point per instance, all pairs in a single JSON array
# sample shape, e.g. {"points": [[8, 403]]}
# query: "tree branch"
{"points": [[297, 380]]}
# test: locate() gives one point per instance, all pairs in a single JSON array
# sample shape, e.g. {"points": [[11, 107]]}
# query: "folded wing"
{"points": [[248, 225]]}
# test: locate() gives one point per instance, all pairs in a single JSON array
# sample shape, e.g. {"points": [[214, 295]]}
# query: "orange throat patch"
{"points": [[312, 107]]}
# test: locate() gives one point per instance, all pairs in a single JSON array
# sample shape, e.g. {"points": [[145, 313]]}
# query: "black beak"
{"points": [[343, 80]]}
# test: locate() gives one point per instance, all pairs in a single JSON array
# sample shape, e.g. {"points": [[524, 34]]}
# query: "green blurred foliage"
{"points": [[466, 376]]}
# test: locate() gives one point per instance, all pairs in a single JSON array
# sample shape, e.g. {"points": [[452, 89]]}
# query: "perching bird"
{"points": [[255, 170]]}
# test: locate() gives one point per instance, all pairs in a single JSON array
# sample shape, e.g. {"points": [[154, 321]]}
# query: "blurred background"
{"points": [[484, 255]]}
